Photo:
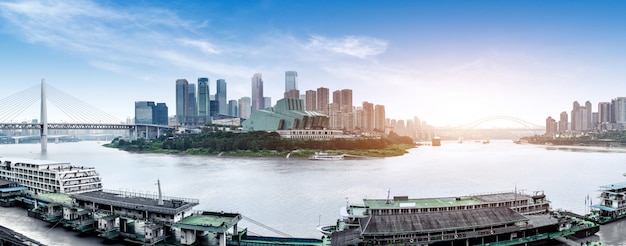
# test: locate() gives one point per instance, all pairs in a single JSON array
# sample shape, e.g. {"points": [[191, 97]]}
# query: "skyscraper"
{"points": [[233, 108], [346, 100], [267, 102], [220, 97], [619, 106], [159, 115], [143, 112], [379, 118], [323, 100], [257, 93], [244, 107], [291, 81], [311, 100], [192, 103], [182, 87], [368, 116], [204, 101]]}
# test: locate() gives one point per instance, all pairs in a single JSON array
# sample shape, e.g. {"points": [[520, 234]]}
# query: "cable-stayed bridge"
{"points": [[82, 116]]}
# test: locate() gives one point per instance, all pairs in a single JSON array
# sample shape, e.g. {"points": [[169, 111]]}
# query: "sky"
{"points": [[448, 63]]}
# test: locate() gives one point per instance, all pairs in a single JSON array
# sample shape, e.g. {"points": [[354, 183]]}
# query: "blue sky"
{"points": [[446, 62]]}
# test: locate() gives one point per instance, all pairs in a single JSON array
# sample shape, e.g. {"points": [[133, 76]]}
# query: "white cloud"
{"points": [[361, 47], [204, 46]]}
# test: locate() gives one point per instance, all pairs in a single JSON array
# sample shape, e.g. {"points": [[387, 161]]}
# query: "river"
{"points": [[296, 195]]}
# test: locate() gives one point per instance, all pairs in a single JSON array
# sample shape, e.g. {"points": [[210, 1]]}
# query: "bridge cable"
{"points": [[266, 227], [14, 105], [80, 109]]}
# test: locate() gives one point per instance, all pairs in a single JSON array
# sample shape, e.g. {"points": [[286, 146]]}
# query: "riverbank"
{"points": [[390, 151]]}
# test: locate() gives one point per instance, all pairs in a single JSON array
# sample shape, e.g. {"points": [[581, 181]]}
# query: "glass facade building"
{"points": [[182, 94], [204, 104], [220, 96]]}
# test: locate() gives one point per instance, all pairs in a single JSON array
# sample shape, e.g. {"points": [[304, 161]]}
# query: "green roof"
{"points": [[210, 221], [61, 198], [420, 202]]}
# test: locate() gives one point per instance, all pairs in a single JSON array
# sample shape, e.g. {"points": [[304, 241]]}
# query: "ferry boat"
{"points": [[481, 219], [323, 156], [612, 204], [43, 176]]}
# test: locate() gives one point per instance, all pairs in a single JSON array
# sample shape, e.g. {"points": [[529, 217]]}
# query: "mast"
{"points": [[44, 118], [160, 196]]}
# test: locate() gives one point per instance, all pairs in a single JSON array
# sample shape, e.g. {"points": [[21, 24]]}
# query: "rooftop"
{"points": [[210, 221], [402, 202], [439, 221], [616, 186], [138, 201], [61, 198], [31, 161]]}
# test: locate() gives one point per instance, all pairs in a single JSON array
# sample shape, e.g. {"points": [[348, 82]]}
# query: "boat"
{"points": [[323, 156], [513, 217], [612, 205], [44, 176]]}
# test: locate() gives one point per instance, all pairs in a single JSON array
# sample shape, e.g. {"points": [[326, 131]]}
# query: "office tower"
{"points": [[257, 93], [214, 108], [368, 117], [379, 118], [204, 101], [323, 100], [267, 102], [291, 81], [311, 100], [143, 112], [160, 115], [182, 93], [147, 112], [245, 107], [220, 96], [563, 123], [232, 108], [192, 103]]}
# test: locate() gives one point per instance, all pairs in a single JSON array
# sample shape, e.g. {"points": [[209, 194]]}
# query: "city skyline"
{"points": [[446, 62]]}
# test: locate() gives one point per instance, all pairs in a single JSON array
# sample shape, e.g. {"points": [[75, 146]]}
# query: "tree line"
{"points": [[224, 141]]}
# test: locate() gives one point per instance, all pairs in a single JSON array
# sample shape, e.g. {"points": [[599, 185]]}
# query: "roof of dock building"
{"points": [[616, 186], [216, 222], [138, 201], [439, 221], [403, 201], [60, 198]]}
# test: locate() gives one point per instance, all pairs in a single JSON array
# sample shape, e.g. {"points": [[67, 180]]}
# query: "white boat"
{"points": [[323, 156], [43, 176]]}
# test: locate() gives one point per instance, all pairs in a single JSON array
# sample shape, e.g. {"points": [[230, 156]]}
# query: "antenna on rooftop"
{"points": [[160, 196], [388, 193]]}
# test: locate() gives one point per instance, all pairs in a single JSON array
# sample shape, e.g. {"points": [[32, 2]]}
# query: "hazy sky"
{"points": [[446, 62]]}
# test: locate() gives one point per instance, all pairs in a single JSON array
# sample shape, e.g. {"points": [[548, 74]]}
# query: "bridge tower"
{"points": [[44, 118]]}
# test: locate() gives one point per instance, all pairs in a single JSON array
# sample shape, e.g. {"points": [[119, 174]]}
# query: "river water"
{"points": [[296, 195]]}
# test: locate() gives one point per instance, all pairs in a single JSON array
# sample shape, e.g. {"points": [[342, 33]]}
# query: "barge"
{"points": [[506, 218]]}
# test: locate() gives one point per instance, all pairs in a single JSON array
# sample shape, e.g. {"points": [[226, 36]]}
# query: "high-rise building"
{"points": [[368, 117], [160, 115], [604, 112], [245, 107], [295, 94], [346, 100], [232, 108], [220, 96], [551, 127], [143, 112], [323, 100], [204, 101], [147, 112], [291, 81], [576, 118], [619, 105], [379, 118], [267, 102], [257, 93], [311, 100], [182, 94], [192, 103], [563, 123], [588, 117]]}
